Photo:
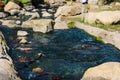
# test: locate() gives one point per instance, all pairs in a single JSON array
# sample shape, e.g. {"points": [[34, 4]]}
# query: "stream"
{"points": [[66, 54]]}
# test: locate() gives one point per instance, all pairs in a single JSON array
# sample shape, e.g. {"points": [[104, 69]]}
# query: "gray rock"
{"points": [[7, 71], [3, 15], [29, 8], [23, 41], [14, 12]]}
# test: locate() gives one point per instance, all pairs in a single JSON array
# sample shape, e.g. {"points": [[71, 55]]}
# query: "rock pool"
{"points": [[67, 54]]}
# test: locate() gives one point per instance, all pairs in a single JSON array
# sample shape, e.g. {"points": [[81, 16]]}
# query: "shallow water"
{"points": [[67, 54]]}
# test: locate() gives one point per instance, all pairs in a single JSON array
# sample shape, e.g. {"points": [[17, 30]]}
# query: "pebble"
{"points": [[37, 70]]}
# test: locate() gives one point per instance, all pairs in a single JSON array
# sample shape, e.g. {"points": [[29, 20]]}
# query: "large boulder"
{"points": [[70, 10], [42, 25], [104, 17], [7, 71], [105, 71], [11, 5]]}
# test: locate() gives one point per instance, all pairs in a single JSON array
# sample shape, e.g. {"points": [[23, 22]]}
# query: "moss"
{"points": [[71, 25]]}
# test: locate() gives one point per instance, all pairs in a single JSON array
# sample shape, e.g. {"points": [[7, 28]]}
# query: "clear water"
{"points": [[68, 53]]}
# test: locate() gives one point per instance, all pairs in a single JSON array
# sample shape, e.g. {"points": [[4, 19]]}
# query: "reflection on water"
{"points": [[67, 54]]}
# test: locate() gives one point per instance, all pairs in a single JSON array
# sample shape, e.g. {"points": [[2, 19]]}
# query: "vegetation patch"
{"points": [[114, 27]]}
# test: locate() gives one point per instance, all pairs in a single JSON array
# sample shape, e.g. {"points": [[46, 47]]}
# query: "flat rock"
{"points": [[42, 25], [22, 33]]}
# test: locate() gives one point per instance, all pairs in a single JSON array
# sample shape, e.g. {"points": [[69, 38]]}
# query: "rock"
{"points": [[93, 2], [70, 10], [7, 71], [11, 5], [23, 41], [22, 33], [33, 15], [46, 14], [42, 25], [37, 70], [2, 15], [35, 10], [60, 23], [18, 22], [9, 23], [105, 71], [41, 55], [26, 24], [29, 8], [14, 12], [104, 17]]}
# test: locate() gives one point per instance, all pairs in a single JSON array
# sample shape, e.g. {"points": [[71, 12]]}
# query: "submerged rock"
{"points": [[105, 71], [37, 70]]}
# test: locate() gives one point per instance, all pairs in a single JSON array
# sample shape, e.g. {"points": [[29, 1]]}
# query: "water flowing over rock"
{"points": [[104, 17], [105, 71], [11, 5], [7, 71]]}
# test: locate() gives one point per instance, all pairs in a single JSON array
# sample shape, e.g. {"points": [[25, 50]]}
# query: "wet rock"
{"points": [[46, 14], [42, 25], [41, 55], [9, 23], [34, 15], [29, 8], [22, 33], [105, 71], [24, 49], [37, 70], [3, 15], [23, 41], [10, 6], [18, 22], [22, 59], [14, 12]]}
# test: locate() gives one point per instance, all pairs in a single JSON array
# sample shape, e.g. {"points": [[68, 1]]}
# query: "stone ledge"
{"points": [[7, 71]]}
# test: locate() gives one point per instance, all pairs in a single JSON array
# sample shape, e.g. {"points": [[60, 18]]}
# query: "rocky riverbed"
{"points": [[46, 49]]}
